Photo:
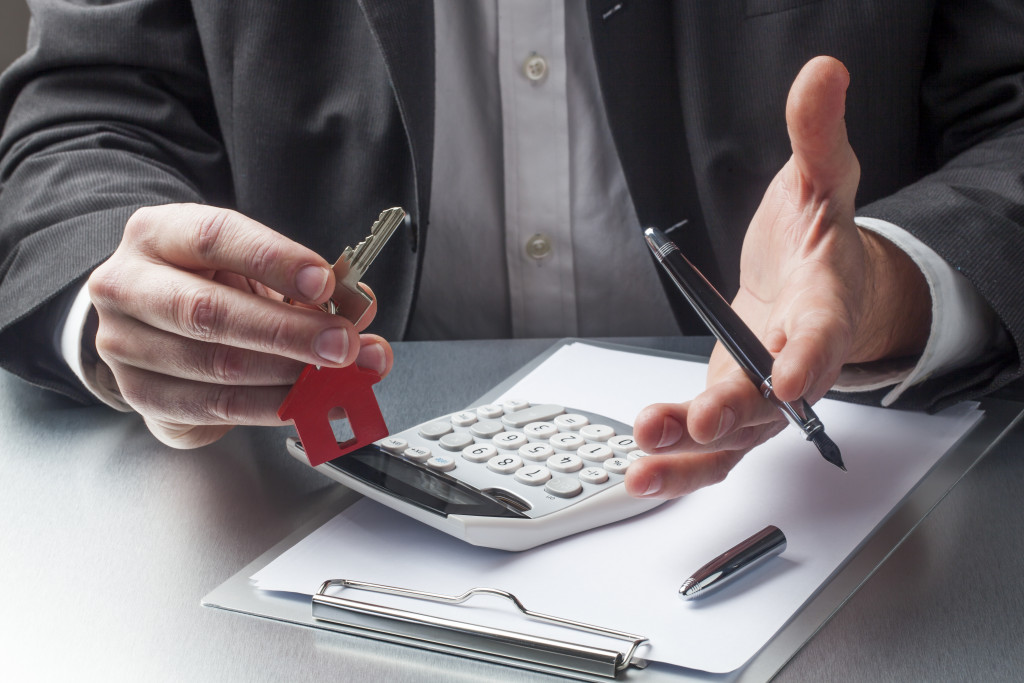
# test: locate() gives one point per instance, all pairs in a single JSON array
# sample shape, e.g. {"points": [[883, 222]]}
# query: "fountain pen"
{"points": [[738, 339]]}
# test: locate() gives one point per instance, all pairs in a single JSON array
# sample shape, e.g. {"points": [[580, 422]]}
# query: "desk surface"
{"points": [[110, 539]]}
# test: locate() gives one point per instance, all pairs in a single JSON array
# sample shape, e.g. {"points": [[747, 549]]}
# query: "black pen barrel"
{"points": [[741, 342], [713, 309]]}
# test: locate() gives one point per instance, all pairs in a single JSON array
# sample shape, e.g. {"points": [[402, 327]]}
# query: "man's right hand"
{"points": [[193, 328]]}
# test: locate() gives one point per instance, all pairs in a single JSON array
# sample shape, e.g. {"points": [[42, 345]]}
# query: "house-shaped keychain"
{"points": [[319, 391]]}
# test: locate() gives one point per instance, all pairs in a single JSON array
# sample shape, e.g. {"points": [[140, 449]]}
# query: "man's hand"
{"points": [[817, 290], [193, 327]]}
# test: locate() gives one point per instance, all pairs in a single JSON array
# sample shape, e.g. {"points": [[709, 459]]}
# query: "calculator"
{"points": [[509, 475]]}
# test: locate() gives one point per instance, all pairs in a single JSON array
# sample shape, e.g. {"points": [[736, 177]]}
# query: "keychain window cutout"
{"points": [[317, 393], [342, 430]]}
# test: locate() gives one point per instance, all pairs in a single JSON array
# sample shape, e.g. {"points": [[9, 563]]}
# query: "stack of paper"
{"points": [[627, 575]]}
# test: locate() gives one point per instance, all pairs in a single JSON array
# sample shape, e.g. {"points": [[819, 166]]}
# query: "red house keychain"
{"points": [[320, 390]]}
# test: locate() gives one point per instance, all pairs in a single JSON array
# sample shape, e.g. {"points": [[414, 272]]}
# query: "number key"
{"points": [[532, 475], [504, 464], [565, 463], [538, 452], [509, 440]]}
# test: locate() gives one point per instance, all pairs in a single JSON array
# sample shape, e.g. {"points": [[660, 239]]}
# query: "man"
{"points": [[309, 122]]}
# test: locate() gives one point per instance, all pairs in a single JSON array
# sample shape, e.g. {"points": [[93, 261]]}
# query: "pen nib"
{"points": [[828, 449]]}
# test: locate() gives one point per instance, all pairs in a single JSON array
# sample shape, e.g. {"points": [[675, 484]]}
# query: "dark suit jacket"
{"points": [[311, 117]]}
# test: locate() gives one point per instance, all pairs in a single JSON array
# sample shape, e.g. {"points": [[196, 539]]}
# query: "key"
{"points": [[351, 299]]}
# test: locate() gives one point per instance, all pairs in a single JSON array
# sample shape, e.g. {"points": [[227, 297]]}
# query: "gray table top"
{"points": [[110, 539]]}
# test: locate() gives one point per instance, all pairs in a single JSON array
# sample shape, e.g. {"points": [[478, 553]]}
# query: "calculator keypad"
{"points": [[542, 454]]}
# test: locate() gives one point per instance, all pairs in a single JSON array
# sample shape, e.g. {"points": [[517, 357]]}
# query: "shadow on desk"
{"points": [[245, 486]]}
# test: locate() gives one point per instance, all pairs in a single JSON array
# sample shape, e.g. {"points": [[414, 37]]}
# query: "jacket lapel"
{"points": [[405, 31], [636, 64]]}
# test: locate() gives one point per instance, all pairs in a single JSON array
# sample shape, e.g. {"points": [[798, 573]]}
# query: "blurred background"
{"points": [[13, 29]]}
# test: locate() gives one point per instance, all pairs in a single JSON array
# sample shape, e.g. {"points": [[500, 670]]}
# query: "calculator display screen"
{"points": [[419, 486]]}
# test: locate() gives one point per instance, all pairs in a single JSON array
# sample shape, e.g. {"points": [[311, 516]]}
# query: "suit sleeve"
{"points": [[109, 110], [971, 209]]}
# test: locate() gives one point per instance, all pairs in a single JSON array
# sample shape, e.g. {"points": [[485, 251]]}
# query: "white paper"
{"points": [[627, 575]]}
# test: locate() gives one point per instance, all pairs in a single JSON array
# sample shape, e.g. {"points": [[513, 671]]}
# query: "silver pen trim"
{"points": [[734, 562]]}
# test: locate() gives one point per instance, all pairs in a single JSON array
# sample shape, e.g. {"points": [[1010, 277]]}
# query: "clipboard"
{"points": [[472, 639], [237, 594]]}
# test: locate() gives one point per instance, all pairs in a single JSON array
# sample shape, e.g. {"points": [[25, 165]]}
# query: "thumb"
{"points": [[815, 114]]}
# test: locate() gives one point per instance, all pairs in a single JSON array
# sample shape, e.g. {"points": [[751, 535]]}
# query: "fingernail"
{"points": [[332, 345], [310, 281], [653, 485], [725, 421], [671, 432], [372, 357]]}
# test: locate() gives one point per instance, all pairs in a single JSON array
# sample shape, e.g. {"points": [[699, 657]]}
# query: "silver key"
{"points": [[351, 299]]}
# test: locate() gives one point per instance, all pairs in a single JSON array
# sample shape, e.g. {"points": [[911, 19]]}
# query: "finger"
{"points": [[719, 415], [815, 113], [206, 238], [185, 436], [664, 428], [125, 341], [730, 402], [192, 306], [248, 285], [669, 475], [375, 354], [673, 475], [173, 401], [817, 344]]}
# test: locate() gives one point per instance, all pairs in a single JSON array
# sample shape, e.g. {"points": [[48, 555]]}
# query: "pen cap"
{"points": [[738, 560]]}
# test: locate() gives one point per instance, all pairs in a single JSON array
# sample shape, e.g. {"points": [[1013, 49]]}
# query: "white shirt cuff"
{"points": [[92, 371], [963, 325]]}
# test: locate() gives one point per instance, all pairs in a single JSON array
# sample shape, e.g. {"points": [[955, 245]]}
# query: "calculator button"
{"points": [[636, 454], [538, 413], [490, 411], [594, 452], [616, 465], [564, 487], [465, 418], [509, 440], [570, 422], [622, 444], [538, 452], [481, 452], [504, 464], [566, 441], [513, 405], [485, 429], [393, 444], [564, 462], [532, 475], [597, 432], [540, 430], [593, 475], [434, 430], [456, 441], [441, 463], [417, 454]]}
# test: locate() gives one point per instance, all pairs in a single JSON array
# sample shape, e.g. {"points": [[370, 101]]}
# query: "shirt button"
{"points": [[538, 247], [535, 67]]}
